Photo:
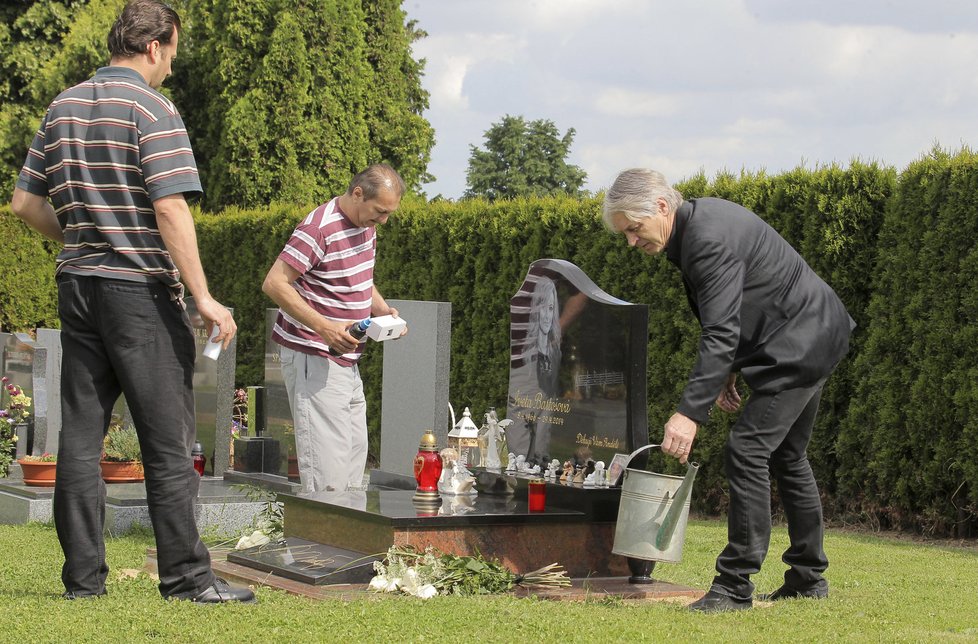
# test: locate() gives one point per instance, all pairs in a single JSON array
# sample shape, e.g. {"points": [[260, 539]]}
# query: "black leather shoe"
{"points": [[73, 595], [222, 592], [713, 602], [818, 592]]}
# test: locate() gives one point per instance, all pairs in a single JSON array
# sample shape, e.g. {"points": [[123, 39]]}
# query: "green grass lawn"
{"points": [[882, 590]]}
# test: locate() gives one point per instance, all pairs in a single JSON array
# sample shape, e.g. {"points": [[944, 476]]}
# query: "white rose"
{"points": [[256, 538], [427, 591]]}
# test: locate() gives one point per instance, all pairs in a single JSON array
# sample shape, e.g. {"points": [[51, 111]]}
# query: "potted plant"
{"points": [[121, 458], [14, 416], [39, 470]]}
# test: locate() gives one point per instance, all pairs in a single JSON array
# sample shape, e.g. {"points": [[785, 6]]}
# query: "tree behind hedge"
{"points": [[286, 101], [45, 47], [399, 133], [523, 159]]}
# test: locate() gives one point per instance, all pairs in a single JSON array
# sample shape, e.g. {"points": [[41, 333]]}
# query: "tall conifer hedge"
{"points": [[897, 436]]}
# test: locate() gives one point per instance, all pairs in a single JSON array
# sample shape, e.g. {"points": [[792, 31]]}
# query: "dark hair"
{"points": [[139, 24], [375, 177]]}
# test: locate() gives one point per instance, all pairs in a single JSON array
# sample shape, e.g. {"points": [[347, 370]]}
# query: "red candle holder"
{"points": [[200, 461], [536, 496], [427, 471]]}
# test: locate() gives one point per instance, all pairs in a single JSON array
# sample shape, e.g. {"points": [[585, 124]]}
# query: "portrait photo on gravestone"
{"points": [[577, 368]]}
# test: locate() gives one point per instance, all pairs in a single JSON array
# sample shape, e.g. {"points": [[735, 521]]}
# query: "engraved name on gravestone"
{"points": [[213, 396], [577, 384], [25, 365]]}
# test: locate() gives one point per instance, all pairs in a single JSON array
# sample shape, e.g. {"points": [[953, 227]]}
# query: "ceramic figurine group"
{"points": [[593, 474], [518, 465]]}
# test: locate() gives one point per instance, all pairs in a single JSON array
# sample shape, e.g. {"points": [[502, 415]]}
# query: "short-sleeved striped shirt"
{"points": [[335, 261], [106, 150]]}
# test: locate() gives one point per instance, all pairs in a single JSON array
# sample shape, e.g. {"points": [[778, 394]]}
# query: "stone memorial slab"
{"points": [[47, 433], [25, 365], [213, 396], [578, 387], [4, 338], [308, 562], [415, 384]]}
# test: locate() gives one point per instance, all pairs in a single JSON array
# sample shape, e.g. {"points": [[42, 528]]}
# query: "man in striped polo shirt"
{"points": [[323, 283], [113, 157]]}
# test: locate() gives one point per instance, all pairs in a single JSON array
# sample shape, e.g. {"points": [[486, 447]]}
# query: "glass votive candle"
{"points": [[537, 495]]}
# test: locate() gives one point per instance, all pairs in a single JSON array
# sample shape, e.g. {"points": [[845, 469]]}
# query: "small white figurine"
{"points": [[552, 470], [511, 462], [532, 469], [521, 464], [600, 479]]}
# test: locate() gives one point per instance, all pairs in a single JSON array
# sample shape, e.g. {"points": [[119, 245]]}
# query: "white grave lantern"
{"points": [[464, 437]]}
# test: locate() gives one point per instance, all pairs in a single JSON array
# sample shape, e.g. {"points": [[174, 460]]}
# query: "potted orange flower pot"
{"points": [[121, 471], [121, 459], [38, 471]]}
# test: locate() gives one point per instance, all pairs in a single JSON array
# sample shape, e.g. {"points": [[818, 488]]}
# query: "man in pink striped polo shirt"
{"points": [[323, 284]]}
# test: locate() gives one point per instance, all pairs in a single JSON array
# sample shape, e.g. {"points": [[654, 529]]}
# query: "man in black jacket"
{"points": [[766, 315]]}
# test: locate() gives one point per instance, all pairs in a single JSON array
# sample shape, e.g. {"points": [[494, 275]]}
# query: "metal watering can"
{"points": [[653, 513]]}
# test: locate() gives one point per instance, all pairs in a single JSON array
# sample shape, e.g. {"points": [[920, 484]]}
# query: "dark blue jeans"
{"points": [[129, 338], [771, 438]]}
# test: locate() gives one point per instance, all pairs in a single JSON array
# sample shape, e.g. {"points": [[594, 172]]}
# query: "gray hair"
{"points": [[635, 194], [375, 177]]}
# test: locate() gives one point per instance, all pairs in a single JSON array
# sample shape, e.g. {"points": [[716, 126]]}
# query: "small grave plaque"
{"points": [[577, 385]]}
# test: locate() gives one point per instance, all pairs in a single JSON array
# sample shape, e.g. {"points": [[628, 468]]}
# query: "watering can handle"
{"points": [[642, 449]]}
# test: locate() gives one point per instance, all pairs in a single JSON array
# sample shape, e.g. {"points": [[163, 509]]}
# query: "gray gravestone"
{"points": [[46, 438], [213, 396], [277, 443], [577, 387], [415, 383], [4, 338], [25, 365]]}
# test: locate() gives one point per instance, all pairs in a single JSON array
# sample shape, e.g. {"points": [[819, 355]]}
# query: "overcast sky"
{"points": [[684, 85]]}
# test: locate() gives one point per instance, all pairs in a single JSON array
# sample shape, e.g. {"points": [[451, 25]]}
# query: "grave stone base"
{"points": [[498, 527], [221, 506]]}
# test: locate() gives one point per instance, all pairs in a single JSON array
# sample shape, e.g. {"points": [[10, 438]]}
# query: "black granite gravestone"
{"points": [[577, 385]]}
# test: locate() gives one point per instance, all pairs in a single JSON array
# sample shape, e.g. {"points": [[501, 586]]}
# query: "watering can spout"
{"points": [[668, 528]]}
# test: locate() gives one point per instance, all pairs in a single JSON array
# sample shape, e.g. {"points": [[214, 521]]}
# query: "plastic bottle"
{"points": [[358, 330], [197, 454]]}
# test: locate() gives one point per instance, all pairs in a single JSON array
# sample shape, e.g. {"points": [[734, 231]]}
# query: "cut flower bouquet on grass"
{"points": [[428, 573]]}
